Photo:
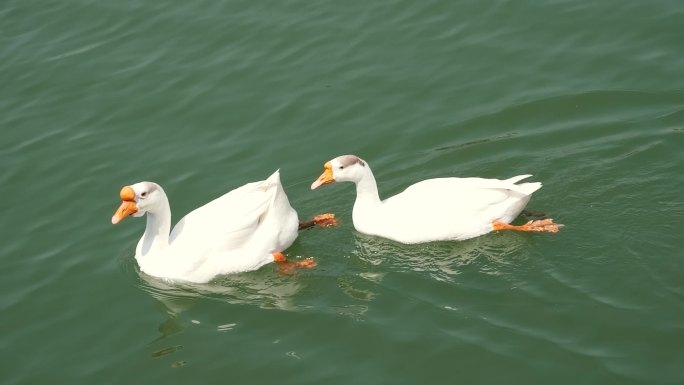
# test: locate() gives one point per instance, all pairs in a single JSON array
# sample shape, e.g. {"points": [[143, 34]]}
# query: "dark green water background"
{"points": [[203, 96]]}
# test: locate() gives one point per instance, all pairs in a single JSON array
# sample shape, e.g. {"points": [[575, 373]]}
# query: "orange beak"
{"points": [[127, 207], [325, 178]]}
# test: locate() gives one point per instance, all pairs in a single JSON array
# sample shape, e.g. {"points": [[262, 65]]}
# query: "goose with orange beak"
{"points": [[241, 230], [434, 209]]}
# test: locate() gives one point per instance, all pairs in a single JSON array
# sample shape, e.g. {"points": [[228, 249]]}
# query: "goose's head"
{"points": [[345, 168], [138, 199]]}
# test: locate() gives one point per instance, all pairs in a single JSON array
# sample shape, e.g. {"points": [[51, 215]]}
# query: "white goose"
{"points": [[240, 231], [434, 209]]}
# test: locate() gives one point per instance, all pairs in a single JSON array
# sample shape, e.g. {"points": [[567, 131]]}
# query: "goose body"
{"points": [[239, 231], [434, 209]]}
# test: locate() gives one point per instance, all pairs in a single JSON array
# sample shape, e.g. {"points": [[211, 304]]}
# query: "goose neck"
{"points": [[367, 188], [157, 231]]}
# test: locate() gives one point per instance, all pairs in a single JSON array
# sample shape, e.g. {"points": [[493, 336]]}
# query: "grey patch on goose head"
{"points": [[147, 187], [349, 160]]}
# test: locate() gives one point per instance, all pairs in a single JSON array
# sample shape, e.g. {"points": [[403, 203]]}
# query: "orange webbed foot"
{"points": [[286, 267], [542, 226], [325, 220], [307, 263], [321, 220], [278, 257]]}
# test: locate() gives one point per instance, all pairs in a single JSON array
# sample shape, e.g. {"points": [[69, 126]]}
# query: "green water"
{"points": [[204, 96]]}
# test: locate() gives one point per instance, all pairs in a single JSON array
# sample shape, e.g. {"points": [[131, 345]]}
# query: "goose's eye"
{"points": [[341, 167], [143, 194]]}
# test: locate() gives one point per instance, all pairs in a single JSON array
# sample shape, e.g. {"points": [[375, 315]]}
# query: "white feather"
{"points": [[433, 209], [236, 232]]}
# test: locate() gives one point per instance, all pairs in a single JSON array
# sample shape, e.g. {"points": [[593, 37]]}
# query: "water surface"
{"points": [[204, 96]]}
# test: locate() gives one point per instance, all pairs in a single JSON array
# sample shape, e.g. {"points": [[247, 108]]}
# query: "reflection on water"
{"points": [[267, 289], [441, 260], [355, 312], [172, 296], [353, 287], [264, 288], [359, 283], [166, 351]]}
